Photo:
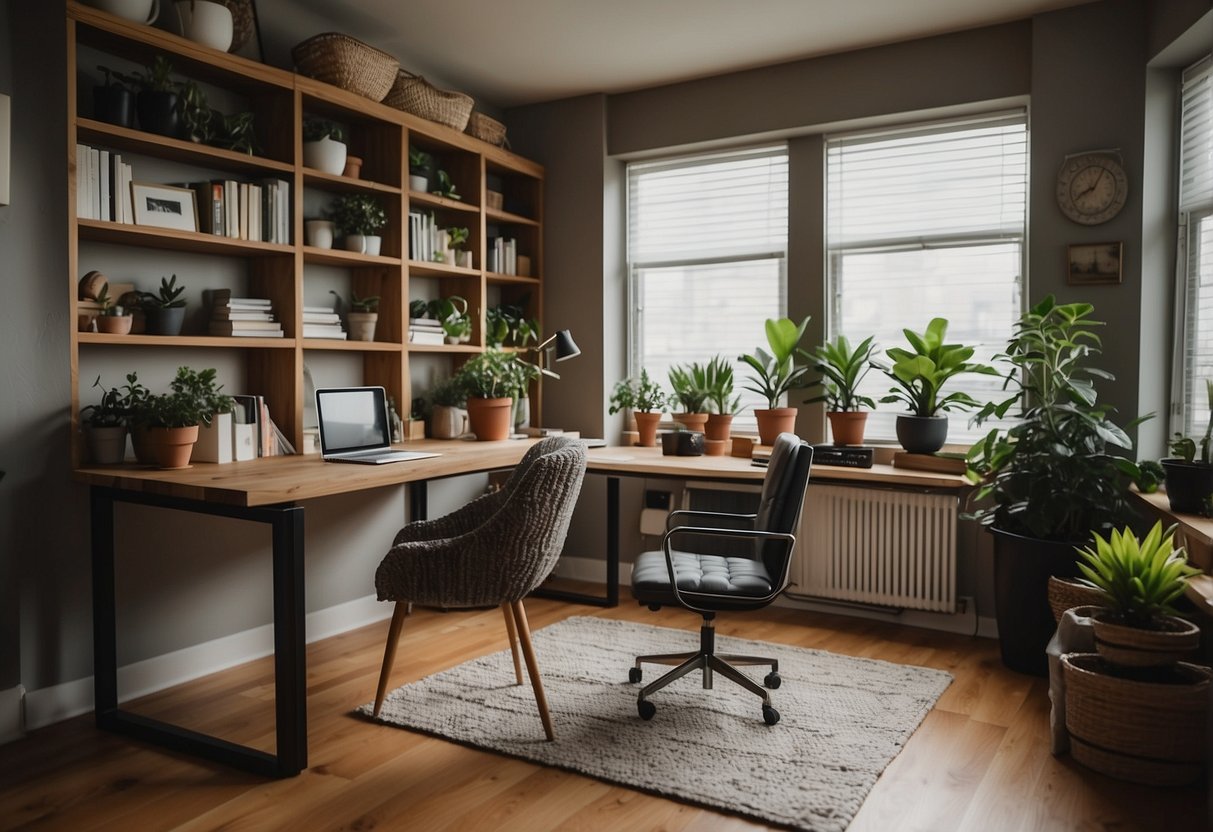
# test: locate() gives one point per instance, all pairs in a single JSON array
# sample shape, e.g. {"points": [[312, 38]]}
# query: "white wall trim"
{"points": [[58, 702], [12, 718]]}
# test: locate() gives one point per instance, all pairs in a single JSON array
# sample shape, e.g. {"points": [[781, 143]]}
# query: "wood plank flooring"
{"points": [[980, 760]]}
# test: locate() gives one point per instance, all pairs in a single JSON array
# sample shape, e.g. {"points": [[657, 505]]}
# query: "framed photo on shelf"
{"points": [[164, 206], [1089, 264]]}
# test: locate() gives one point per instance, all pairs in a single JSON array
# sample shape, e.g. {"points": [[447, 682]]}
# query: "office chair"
{"points": [[710, 583], [491, 552]]}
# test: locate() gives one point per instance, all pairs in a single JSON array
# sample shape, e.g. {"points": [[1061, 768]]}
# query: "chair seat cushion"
{"points": [[739, 577]]}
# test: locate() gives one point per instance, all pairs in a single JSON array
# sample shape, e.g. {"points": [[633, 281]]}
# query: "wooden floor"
{"points": [[980, 760]]}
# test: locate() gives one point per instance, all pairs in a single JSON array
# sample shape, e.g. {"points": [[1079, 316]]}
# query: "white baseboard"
{"points": [[967, 623], [12, 718], [59, 702]]}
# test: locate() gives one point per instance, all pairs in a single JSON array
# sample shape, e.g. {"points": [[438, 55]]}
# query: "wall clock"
{"points": [[1092, 187]]}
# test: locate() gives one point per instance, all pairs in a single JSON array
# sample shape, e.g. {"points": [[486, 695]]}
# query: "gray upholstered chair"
{"points": [[680, 574], [492, 551]]}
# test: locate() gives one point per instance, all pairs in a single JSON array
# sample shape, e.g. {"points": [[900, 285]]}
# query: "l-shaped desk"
{"points": [[267, 490]]}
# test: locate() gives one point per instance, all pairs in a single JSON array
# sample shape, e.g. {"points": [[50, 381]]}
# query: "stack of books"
{"points": [[425, 331], [242, 317], [245, 210], [322, 322]]}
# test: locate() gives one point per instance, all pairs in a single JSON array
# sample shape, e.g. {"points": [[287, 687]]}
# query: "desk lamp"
{"points": [[559, 347]]}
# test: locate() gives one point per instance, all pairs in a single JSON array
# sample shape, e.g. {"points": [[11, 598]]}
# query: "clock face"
{"points": [[1092, 188]]}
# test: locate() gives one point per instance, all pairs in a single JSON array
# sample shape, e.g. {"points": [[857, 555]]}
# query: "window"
{"points": [[928, 222], [707, 243], [1194, 265]]}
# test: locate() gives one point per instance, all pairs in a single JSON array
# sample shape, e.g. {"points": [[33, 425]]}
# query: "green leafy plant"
{"points": [[238, 133], [113, 78], [449, 392], [357, 304], [508, 324], [156, 77], [842, 370], [167, 297], [1185, 448], [418, 308], [921, 374], [318, 129], [777, 372], [718, 379], [357, 214], [194, 399], [640, 394], [1138, 578], [690, 385], [420, 162], [457, 237], [115, 406], [197, 117], [1051, 475], [445, 186], [109, 307], [491, 374]]}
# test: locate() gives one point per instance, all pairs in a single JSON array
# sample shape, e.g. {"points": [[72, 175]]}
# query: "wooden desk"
{"points": [[265, 491]]}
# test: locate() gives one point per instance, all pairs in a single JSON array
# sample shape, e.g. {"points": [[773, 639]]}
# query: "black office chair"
{"points": [[711, 583]]}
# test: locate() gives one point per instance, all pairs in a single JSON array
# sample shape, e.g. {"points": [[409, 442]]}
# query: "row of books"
{"points": [[425, 331], [245, 210], [254, 430], [103, 186], [241, 317], [423, 236], [322, 322], [502, 255]]}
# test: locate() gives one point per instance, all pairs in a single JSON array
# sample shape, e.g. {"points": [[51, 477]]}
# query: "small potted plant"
{"points": [[362, 317], [452, 313], [507, 324], [113, 319], [455, 255], [421, 169], [490, 379], [1189, 474], [718, 377], [164, 309], [448, 415], [920, 374], [324, 147], [105, 423], [775, 374], [157, 99], [114, 101], [842, 369], [238, 133], [690, 385], [199, 123], [444, 186], [165, 426], [647, 401], [358, 217]]}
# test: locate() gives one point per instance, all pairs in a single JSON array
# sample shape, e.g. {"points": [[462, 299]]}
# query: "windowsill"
{"points": [[1197, 536]]}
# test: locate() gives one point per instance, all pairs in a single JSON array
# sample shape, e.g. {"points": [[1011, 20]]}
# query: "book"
{"points": [[223, 297], [426, 337], [424, 323], [248, 329], [211, 211], [939, 462], [227, 313], [323, 331], [249, 333], [321, 318], [847, 456]]}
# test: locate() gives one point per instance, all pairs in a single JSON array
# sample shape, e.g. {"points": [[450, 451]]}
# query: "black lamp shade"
{"points": [[565, 346]]}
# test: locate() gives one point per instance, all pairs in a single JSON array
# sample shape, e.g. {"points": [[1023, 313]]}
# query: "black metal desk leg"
{"points": [[105, 632], [612, 553], [418, 501], [290, 643]]}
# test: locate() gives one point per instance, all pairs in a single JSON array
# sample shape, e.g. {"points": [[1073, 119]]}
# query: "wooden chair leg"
{"points": [[399, 613], [513, 634], [524, 634]]}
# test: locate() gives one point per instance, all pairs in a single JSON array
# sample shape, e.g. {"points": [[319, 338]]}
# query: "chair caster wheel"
{"points": [[772, 680], [646, 709], [769, 715], [634, 674]]}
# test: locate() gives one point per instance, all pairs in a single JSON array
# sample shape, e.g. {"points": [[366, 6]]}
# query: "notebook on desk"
{"points": [[354, 427]]}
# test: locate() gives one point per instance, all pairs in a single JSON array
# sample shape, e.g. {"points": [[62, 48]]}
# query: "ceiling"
{"points": [[510, 52]]}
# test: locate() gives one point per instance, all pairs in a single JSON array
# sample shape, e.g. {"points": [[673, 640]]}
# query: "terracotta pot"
{"points": [[773, 422], [718, 426], [691, 421], [847, 426], [361, 325], [715, 447], [489, 419], [353, 166], [646, 426], [106, 445], [171, 447], [1128, 646], [114, 324]]}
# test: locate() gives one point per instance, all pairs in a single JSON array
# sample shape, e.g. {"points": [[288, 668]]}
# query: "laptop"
{"points": [[354, 427]]}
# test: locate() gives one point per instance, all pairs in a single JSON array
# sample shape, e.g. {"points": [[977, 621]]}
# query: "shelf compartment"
{"points": [[341, 257], [209, 341], [89, 131], [348, 346], [100, 231], [441, 202], [318, 179], [506, 217], [494, 277], [419, 268]]}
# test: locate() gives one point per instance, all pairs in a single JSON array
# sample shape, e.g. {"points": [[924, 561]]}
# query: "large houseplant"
{"points": [[647, 401], [1189, 472], [776, 373], [490, 379], [920, 375], [842, 370], [165, 425], [1050, 480]]}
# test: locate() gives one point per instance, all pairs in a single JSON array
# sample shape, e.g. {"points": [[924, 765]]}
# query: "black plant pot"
{"points": [[158, 113], [165, 321], [922, 434], [1022, 566], [1189, 485], [682, 443], [114, 104]]}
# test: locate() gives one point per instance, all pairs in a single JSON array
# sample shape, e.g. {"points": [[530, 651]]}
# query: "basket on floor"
{"points": [[486, 129], [415, 95], [348, 63], [1064, 593]]}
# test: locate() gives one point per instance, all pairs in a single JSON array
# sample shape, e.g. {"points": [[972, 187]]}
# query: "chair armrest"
{"points": [[788, 540], [460, 521], [747, 520]]}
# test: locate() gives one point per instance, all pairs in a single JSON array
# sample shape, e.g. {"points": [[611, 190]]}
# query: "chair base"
{"points": [[709, 662]]}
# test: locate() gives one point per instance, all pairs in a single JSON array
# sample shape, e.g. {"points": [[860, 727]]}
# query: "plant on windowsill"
{"points": [[690, 385], [723, 405], [775, 374], [842, 370], [324, 146], [647, 401], [490, 379], [1189, 475], [358, 217], [360, 321], [165, 308], [164, 427]]}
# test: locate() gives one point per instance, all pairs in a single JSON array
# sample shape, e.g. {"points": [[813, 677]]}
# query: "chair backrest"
{"points": [[783, 494]]}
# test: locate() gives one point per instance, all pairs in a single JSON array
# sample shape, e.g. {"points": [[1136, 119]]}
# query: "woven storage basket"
{"points": [[486, 129], [348, 63], [1065, 593], [1147, 732], [415, 95]]}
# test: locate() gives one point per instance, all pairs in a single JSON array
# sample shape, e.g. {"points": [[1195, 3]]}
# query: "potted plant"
{"points": [[1050, 480], [358, 217], [448, 416], [920, 374], [362, 317], [114, 101], [165, 309], [207, 22], [490, 379], [647, 401], [524, 373], [167, 424], [105, 423], [455, 255], [776, 373], [324, 147], [421, 169], [157, 99], [690, 385], [452, 313], [507, 324], [238, 133], [1189, 478], [842, 369], [444, 186], [199, 123], [113, 319], [718, 379]]}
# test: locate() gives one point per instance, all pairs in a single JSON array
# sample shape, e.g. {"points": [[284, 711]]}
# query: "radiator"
{"points": [[884, 547]]}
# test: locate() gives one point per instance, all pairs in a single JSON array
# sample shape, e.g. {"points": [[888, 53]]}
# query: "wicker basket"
{"points": [[486, 129], [494, 200], [1065, 593], [415, 95], [348, 63]]}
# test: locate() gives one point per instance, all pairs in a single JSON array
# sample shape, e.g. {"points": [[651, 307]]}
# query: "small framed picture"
{"points": [[1094, 263], [164, 206]]}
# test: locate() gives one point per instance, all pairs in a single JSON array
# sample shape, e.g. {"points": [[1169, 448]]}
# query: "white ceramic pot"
{"points": [[464, 259], [206, 22], [448, 422], [319, 233], [361, 325], [355, 242], [326, 155], [140, 11], [418, 183], [374, 244]]}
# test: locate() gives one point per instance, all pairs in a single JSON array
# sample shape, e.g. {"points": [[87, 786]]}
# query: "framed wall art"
{"points": [[164, 206], [1094, 263]]}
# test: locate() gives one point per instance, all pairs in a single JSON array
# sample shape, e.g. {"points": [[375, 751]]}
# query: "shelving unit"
{"points": [[381, 136]]}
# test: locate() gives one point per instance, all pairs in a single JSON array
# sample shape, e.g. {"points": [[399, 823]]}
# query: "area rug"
{"points": [[843, 720]]}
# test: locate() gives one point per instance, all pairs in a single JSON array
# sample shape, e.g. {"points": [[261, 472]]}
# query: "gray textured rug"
{"points": [[842, 721]]}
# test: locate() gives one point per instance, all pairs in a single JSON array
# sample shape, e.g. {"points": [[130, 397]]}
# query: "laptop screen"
{"points": [[352, 419]]}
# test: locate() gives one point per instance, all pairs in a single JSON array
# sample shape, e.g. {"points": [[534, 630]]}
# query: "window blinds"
{"points": [[1196, 243], [1196, 138]]}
